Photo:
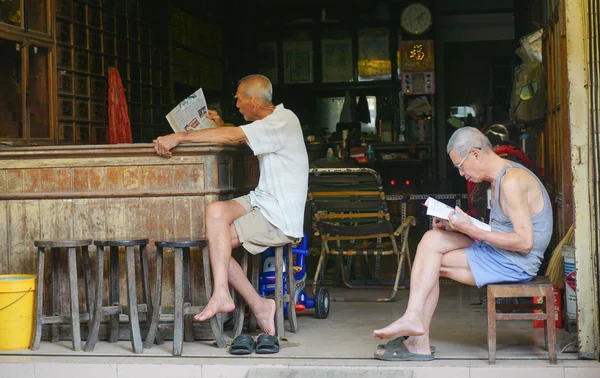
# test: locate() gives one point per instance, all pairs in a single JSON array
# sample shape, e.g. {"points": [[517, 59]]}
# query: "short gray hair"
{"points": [[466, 138], [258, 87]]}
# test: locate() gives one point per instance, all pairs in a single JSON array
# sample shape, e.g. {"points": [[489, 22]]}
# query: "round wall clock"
{"points": [[416, 18]]}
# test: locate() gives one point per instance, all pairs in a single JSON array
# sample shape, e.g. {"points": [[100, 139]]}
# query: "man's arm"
{"points": [[220, 135], [513, 195]]}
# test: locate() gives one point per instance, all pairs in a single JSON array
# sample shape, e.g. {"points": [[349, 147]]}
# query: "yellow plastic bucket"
{"points": [[17, 298]]}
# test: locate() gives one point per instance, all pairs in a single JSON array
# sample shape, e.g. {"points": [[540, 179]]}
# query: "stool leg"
{"points": [[39, 301], [188, 327], [153, 329], [146, 290], [178, 288], [114, 295], [241, 304], [491, 307], [256, 262], [291, 290], [134, 320], [279, 326], [56, 310], [97, 315], [73, 287], [214, 321], [550, 325], [87, 276]]}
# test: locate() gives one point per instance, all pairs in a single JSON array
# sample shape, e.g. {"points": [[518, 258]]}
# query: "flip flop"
{"points": [[241, 345], [399, 352], [267, 344], [400, 339]]}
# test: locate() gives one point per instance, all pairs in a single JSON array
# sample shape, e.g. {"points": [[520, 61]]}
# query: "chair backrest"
{"points": [[348, 203]]}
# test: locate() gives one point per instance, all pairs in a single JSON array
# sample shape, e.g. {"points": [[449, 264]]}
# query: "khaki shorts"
{"points": [[255, 232]]}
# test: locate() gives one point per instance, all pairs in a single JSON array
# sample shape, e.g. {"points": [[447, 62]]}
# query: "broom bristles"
{"points": [[556, 267]]}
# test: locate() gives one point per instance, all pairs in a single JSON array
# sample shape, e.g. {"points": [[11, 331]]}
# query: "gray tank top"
{"points": [[542, 227]]}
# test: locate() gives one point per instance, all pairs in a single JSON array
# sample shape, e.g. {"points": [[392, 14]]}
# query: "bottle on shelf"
{"points": [[370, 153]]}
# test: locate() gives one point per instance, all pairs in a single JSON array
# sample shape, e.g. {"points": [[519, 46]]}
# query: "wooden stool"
{"points": [[279, 298], [538, 287], [57, 318], [183, 298], [114, 309]]}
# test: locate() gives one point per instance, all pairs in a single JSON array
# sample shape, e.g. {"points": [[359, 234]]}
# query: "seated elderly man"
{"points": [[521, 227], [270, 215]]}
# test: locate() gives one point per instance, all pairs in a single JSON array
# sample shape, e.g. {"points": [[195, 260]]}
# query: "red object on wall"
{"points": [[119, 127], [557, 309]]}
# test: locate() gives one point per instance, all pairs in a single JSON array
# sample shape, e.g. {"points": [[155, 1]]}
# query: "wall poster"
{"points": [[298, 62], [337, 60]]}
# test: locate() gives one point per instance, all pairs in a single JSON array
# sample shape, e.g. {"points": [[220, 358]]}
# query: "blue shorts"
{"points": [[489, 266]]}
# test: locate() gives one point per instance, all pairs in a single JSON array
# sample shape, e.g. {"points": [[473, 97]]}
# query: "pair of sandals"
{"points": [[245, 344], [395, 350]]}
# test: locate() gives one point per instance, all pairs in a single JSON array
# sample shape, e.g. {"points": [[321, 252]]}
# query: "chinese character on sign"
{"points": [[416, 52]]}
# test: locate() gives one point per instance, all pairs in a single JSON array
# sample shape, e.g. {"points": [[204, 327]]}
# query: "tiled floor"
{"points": [[341, 344]]}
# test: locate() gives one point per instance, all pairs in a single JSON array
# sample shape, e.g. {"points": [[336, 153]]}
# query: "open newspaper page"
{"points": [[190, 114], [439, 209]]}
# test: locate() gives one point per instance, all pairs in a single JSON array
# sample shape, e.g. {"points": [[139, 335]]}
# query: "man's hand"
{"points": [[211, 114], [164, 144], [459, 221], [441, 224]]}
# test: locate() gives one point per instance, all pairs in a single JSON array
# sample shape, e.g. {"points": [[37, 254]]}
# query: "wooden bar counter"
{"points": [[105, 191]]}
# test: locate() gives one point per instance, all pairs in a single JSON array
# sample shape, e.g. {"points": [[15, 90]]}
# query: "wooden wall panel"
{"points": [[3, 183], [23, 228], [14, 180], [3, 237], [189, 176]]}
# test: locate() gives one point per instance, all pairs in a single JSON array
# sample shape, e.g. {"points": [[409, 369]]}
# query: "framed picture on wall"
{"points": [[298, 62], [267, 60], [374, 55], [337, 60]]}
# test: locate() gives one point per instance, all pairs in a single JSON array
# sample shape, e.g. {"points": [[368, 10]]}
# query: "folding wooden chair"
{"points": [[352, 216]]}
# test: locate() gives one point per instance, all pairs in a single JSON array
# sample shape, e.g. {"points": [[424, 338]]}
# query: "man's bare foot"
{"points": [[264, 311], [401, 327], [216, 305]]}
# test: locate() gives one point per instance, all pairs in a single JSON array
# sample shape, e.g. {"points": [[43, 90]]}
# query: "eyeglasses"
{"points": [[459, 166]]}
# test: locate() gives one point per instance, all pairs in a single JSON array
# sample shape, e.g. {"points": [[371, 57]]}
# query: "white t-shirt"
{"points": [[278, 143]]}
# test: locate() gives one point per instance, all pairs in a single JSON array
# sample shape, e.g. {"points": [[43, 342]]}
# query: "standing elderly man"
{"points": [[521, 222], [272, 214]]}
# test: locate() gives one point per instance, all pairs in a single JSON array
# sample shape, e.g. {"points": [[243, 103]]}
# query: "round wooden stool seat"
{"points": [[181, 242], [120, 242], [62, 243]]}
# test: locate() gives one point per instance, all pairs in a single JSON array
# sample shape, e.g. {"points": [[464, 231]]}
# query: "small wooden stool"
{"points": [[279, 298], [183, 298], [538, 287], [57, 318], [114, 309]]}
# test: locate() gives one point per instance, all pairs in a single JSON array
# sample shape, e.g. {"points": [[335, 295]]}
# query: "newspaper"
{"points": [[439, 209], [190, 114]]}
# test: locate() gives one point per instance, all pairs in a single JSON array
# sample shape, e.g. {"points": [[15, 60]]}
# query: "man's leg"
{"points": [[262, 308], [454, 266], [219, 222], [424, 278]]}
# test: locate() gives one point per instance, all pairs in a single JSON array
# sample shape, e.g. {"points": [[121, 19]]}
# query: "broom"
{"points": [[556, 266]]}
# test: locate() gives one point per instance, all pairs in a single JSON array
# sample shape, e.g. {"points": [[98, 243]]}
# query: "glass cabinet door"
{"points": [[38, 93], [11, 90], [36, 13], [11, 13]]}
